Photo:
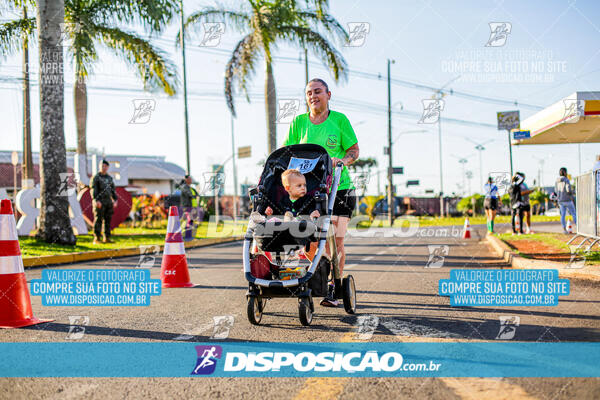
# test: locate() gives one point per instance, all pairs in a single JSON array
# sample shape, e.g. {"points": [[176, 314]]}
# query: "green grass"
{"points": [[127, 237], [437, 221], [546, 238], [32, 247]]}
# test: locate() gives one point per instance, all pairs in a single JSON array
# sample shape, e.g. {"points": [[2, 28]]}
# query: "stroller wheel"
{"points": [[349, 294], [255, 309], [305, 311]]}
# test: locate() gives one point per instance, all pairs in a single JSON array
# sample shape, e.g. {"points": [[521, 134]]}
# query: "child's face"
{"points": [[296, 187]]}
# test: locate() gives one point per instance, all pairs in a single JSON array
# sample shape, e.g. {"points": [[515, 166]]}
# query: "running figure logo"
{"points": [[207, 359], [499, 33], [508, 327], [437, 255], [432, 109]]}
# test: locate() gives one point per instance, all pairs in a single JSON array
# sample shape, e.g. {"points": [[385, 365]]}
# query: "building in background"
{"points": [[140, 174]]}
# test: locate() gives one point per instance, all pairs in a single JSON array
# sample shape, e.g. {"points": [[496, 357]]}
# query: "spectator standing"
{"points": [[564, 197]]}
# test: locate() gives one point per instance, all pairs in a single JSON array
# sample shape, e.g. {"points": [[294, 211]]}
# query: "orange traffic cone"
{"points": [[15, 304], [569, 226], [467, 229], [174, 270], [517, 224]]}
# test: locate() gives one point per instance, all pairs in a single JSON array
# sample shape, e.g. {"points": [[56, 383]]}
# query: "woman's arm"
{"points": [[351, 155]]}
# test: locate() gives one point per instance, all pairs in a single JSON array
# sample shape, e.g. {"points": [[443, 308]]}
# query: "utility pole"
{"points": [[235, 192], [390, 170], [306, 73], [441, 169], [185, 102], [510, 153], [27, 163]]}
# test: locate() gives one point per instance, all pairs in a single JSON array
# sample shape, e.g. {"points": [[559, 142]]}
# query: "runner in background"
{"points": [[490, 204], [525, 191]]}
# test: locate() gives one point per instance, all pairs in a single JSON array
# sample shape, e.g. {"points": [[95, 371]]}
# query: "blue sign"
{"points": [[521, 135], [248, 359]]}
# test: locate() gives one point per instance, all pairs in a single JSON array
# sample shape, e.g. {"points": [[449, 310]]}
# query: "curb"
{"points": [[69, 258], [517, 261]]}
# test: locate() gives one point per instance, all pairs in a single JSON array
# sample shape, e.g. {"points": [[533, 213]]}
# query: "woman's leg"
{"points": [[571, 208], [521, 219], [341, 227], [513, 215], [563, 210], [493, 212]]}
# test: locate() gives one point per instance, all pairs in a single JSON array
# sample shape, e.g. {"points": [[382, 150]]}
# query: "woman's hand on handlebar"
{"points": [[337, 162]]}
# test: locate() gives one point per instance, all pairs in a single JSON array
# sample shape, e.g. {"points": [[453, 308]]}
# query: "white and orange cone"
{"points": [[174, 269], [517, 224], [15, 303], [467, 229]]}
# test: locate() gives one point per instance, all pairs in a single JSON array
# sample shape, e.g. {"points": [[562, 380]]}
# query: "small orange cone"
{"points": [[174, 269], [467, 229], [517, 224], [15, 303], [569, 226]]}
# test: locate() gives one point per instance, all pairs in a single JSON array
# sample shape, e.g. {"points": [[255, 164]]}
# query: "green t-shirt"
{"points": [[335, 134]]}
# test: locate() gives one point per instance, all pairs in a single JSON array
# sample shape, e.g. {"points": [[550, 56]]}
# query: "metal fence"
{"points": [[586, 204]]}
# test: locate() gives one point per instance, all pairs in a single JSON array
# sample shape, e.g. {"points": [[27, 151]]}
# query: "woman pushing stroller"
{"points": [[333, 131]]}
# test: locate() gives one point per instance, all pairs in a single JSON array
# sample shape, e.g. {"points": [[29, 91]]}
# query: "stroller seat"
{"points": [[284, 236]]}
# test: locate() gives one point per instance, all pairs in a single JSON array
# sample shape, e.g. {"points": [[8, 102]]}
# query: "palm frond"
{"points": [[152, 14], [241, 67], [238, 20], [320, 46], [151, 63], [11, 34], [327, 21]]}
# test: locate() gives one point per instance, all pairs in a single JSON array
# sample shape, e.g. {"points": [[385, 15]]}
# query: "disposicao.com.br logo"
{"points": [[307, 362]]}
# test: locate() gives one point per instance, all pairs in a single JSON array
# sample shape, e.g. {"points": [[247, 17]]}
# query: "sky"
{"points": [[431, 42]]}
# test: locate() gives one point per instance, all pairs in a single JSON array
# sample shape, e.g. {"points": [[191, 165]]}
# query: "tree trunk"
{"points": [[55, 225], [271, 109], [27, 163], [80, 97]]}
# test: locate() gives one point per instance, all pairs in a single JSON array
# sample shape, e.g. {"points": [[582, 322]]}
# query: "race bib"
{"points": [[303, 165]]}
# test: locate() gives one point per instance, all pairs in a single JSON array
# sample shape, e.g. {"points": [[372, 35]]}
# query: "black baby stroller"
{"points": [[271, 264]]}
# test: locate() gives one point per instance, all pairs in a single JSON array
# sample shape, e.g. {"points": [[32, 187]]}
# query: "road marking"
{"points": [[486, 388]]}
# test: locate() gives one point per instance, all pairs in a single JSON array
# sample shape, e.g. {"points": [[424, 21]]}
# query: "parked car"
{"points": [[381, 207]]}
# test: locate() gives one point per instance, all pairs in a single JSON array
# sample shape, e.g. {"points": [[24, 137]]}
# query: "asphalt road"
{"points": [[394, 288]]}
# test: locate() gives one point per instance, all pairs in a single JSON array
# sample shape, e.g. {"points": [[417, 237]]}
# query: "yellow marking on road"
{"points": [[486, 388], [321, 389]]}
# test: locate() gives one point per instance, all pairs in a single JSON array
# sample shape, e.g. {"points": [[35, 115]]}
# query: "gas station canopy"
{"points": [[574, 119]]}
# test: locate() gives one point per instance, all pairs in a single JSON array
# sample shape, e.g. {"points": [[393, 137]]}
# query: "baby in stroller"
{"points": [[297, 202]]}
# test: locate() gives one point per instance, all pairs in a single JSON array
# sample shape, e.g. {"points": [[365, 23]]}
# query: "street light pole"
{"points": [[235, 193], [510, 152], [185, 102], [390, 170], [441, 168]]}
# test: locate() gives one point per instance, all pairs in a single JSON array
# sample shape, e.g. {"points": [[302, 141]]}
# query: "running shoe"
{"points": [[329, 300]]}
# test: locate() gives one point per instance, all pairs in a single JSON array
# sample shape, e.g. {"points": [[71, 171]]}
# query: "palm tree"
{"points": [[55, 225], [87, 24], [265, 24], [10, 34]]}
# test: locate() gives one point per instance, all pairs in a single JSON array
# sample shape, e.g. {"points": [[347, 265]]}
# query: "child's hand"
{"points": [[315, 214], [269, 211]]}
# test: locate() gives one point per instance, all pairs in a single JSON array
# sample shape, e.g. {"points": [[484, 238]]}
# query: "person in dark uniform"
{"points": [[104, 198], [189, 205]]}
